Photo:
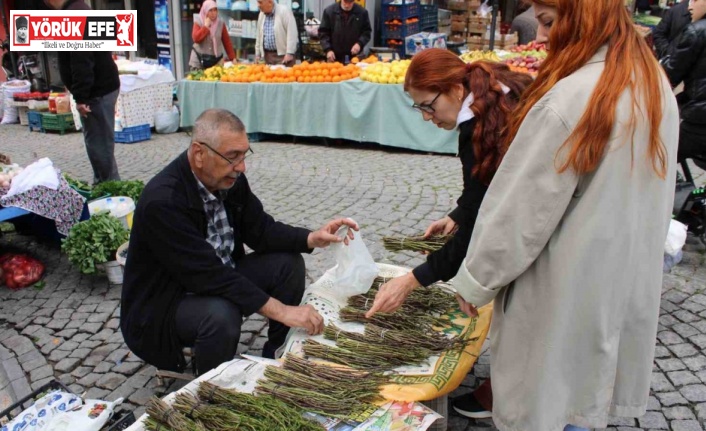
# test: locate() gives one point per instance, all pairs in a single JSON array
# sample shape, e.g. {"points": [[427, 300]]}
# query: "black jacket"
{"points": [[686, 61], [672, 24], [87, 74], [169, 256], [444, 263], [340, 35]]}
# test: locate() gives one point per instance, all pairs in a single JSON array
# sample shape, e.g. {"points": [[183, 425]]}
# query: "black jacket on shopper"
{"points": [[686, 61], [169, 258], [87, 74], [340, 30], [672, 24], [444, 263]]}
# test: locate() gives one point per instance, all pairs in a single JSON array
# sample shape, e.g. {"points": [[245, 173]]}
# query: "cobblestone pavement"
{"points": [[69, 329]]}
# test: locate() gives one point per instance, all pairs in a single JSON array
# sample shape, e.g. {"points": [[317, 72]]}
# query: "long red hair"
{"points": [[438, 70], [580, 29]]}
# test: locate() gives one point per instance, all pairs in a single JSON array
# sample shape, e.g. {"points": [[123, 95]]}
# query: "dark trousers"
{"points": [[99, 137], [211, 325]]}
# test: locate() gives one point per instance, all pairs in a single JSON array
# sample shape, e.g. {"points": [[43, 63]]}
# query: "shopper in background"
{"points": [[525, 24], [93, 80], [345, 30], [670, 27], [686, 62], [211, 38], [277, 34]]}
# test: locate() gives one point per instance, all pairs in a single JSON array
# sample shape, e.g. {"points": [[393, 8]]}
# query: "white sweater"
{"points": [[286, 37]]}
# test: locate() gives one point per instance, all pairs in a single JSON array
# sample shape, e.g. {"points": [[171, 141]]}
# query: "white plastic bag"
{"points": [[92, 416], [676, 237], [38, 416], [355, 268], [167, 121], [485, 10]]}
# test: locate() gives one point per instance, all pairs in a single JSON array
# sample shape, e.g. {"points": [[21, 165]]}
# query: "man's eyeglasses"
{"points": [[233, 162], [427, 107]]}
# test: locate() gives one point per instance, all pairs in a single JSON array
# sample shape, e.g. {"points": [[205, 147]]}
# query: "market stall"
{"points": [[145, 89], [354, 109]]}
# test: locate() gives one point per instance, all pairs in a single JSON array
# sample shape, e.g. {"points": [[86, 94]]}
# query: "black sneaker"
{"points": [[468, 406]]}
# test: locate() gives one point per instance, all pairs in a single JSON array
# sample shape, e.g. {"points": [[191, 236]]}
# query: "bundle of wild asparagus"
{"points": [[162, 417], [317, 395], [426, 343], [362, 360], [401, 320], [429, 300], [258, 412], [415, 243]]}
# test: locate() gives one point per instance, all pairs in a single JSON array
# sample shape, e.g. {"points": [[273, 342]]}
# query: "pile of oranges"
{"points": [[304, 72]]}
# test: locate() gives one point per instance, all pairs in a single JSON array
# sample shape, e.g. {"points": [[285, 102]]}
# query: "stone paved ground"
{"points": [[69, 329]]}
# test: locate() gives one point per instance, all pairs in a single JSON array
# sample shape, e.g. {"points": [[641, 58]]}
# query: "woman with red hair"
{"points": [[476, 99], [569, 240]]}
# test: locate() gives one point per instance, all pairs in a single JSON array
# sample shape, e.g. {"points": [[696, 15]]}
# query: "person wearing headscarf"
{"points": [[210, 36]]}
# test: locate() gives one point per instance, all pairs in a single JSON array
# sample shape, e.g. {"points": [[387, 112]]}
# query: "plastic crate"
{"points": [[399, 11], [130, 135], [35, 121], [429, 17], [391, 31], [58, 122], [23, 403]]}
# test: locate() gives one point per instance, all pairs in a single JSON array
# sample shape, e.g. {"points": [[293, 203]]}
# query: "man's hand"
{"points": [[303, 316], [83, 109], [466, 307], [287, 58], [392, 294], [257, 59], [445, 226], [356, 49], [327, 234], [330, 56]]}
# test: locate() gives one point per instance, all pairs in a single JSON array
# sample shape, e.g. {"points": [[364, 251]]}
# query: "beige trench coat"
{"points": [[573, 333]]}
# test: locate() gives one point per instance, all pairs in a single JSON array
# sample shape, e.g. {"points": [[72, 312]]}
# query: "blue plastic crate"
{"points": [[35, 121], [429, 17], [391, 31], [130, 135], [402, 12]]}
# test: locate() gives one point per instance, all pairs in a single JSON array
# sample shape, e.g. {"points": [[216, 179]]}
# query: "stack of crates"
{"points": [[398, 22], [429, 18]]}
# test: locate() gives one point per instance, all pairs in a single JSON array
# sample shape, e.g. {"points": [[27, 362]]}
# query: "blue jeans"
{"points": [[573, 428]]}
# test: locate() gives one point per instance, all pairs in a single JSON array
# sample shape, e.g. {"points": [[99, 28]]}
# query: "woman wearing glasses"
{"points": [[474, 99]]}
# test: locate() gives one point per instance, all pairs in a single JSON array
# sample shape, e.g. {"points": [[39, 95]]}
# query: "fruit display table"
{"points": [[354, 109]]}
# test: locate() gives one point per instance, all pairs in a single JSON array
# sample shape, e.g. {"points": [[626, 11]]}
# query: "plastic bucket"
{"points": [[121, 207], [114, 271]]}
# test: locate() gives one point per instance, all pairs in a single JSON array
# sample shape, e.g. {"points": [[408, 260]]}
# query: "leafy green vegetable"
{"points": [[39, 285], [76, 183], [94, 241], [132, 189]]}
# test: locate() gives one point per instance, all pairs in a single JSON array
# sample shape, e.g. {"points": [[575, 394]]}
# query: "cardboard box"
{"points": [[424, 40], [459, 5], [477, 28], [458, 26], [473, 4], [459, 17]]}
